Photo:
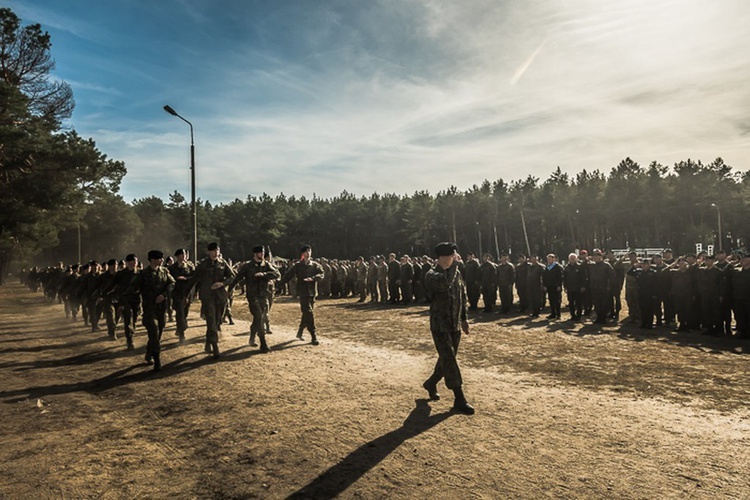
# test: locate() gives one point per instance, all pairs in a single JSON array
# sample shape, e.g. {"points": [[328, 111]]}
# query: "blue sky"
{"points": [[316, 97]]}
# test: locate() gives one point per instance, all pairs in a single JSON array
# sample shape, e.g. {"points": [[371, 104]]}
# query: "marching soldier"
{"points": [[308, 273], [212, 276], [155, 284], [257, 274], [181, 270], [447, 292]]}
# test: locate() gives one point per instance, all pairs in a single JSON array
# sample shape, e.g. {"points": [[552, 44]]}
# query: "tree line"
{"points": [[631, 207]]}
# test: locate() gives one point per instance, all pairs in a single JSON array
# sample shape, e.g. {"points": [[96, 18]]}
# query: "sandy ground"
{"points": [[563, 410]]}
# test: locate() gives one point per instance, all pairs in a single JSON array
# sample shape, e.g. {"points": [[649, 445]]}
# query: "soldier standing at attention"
{"points": [[647, 280], [471, 274], [181, 271], [601, 281], [308, 273], [506, 276], [552, 278], [212, 275], [534, 285], [257, 274], [382, 279], [394, 275], [488, 278], [522, 271], [405, 279], [447, 293], [155, 284], [574, 279]]}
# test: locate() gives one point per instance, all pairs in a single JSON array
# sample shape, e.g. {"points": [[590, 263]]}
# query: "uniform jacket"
{"points": [[447, 293]]}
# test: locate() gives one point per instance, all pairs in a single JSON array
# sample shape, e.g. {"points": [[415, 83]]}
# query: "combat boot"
{"points": [[149, 359], [157, 362], [252, 341], [263, 345], [460, 405], [130, 345], [299, 333], [431, 387], [314, 339], [215, 346], [207, 348]]}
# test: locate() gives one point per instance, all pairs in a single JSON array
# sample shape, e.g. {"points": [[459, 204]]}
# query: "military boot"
{"points": [[252, 341], [314, 339], [130, 345], [215, 346], [430, 386], [157, 362], [299, 333], [263, 345], [207, 348], [460, 404]]}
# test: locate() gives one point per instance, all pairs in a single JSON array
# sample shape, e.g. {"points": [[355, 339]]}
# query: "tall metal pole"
{"points": [[193, 206], [721, 244], [525, 234], [479, 237], [79, 241]]}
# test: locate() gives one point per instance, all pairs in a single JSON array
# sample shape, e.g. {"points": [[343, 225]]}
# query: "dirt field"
{"points": [[563, 410]]}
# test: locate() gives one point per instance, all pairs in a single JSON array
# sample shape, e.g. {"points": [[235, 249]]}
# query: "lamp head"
{"points": [[169, 110]]}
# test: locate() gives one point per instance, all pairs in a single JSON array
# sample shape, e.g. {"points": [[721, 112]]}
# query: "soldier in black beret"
{"points": [[155, 284], [213, 275], [447, 293], [181, 270], [308, 274], [257, 273]]}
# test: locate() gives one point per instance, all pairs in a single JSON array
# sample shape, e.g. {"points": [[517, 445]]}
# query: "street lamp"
{"points": [[193, 207], [718, 214]]}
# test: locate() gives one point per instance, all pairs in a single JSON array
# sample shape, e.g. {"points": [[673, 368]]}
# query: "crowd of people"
{"points": [[710, 293]]}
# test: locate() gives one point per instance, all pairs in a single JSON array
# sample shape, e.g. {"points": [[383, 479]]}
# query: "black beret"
{"points": [[257, 248], [445, 248], [93, 263], [130, 257], [111, 262], [305, 248], [212, 246], [155, 254], [180, 251]]}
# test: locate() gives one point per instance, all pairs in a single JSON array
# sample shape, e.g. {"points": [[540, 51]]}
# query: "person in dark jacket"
{"points": [[488, 278], [506, 277], [647, 280], [257, 274], [552, 280], [308, 273], [155, 285], [448, 320], [574, 281]]}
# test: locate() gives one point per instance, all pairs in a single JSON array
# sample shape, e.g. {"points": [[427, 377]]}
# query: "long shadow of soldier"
{"points": [[338, 478]]}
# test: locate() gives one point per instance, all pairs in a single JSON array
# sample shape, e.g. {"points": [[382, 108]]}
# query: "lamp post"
{"points": [[193, 207], [718, 215]]}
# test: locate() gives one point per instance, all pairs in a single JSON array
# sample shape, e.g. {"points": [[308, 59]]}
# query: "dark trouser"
{"points": [[446, 367], [362, 290], [307, 304], [669, 308], [489, 296], [602, 301], [523, 298], [555, 300], [506, 298], [180, 315], [129, 318], [684, 307], [535, 299], [108, 309], [259, 309], [631, 298], [574, 303], [154, 319], [742, 317], [213, 307], [726, 316], [646, 305], [393, 295], [472, 293], [406, 293], [616, 305], [587, 301], [711, 313]]}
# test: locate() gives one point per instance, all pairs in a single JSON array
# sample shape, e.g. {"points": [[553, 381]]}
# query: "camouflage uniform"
{"points": [[257, 292], [447, 293], [181, 272], [213, 302], [153, 283], [306, 292]]}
